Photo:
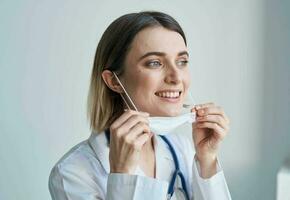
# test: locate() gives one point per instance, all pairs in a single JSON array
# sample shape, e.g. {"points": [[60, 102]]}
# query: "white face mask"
{"points": [[165, 125], [160, 125]]}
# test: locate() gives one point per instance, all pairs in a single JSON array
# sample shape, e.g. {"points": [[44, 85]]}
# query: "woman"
{"points": [[143, 55]]}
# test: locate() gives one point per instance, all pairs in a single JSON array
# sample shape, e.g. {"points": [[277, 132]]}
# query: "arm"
{"points": [[210, 188], [73, 184], [134, 187], [210, 128], [78, 184]]}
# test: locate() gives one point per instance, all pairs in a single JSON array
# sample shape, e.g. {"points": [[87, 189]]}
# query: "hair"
{"points": [[103, 104]]}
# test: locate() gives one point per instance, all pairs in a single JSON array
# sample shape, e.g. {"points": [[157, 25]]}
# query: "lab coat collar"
{"points": [[99, 144]]}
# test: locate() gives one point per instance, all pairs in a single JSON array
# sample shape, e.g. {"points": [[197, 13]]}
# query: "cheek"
{"points": [[142, 85], [186, 80], [142, 91], [147, 78], [146, 84]]}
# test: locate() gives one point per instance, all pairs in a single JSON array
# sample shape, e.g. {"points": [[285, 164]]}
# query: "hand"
{"points": [[209, 129], [128, 134]]}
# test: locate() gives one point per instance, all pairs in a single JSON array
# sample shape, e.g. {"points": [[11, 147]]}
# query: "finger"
{"points": [[198, 107], [205, 105], [136, 131], [133, 120], [141, 140], [213, 110], [213, 118], [221, 133], [130, 123], [118, 122]]}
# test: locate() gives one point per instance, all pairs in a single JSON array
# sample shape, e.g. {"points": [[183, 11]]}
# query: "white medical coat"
{"points": [[84, 174]]}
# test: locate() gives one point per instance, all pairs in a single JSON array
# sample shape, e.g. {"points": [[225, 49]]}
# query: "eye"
{"points": [[154, 63], [182, 62]]}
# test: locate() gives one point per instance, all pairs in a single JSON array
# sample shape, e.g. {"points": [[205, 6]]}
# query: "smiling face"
{"points": [[156, 74]]}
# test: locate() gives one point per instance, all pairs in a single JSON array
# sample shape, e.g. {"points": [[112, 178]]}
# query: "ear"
{"points": [[111, 82]]}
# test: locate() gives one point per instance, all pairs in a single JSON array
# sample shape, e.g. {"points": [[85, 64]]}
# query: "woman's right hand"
{"points": [[128, 134]]}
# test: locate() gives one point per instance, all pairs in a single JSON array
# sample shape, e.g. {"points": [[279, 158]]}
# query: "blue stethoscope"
{"points": [[176, 173]]}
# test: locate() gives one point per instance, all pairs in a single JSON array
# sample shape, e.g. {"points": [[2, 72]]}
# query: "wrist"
{"points": [[208, 165], [205, 160], [122, 170]]}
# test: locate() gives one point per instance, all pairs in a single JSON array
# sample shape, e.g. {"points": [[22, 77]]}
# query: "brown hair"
{"points": [[105, 105]]}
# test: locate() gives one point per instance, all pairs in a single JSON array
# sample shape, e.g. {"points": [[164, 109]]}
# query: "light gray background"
{"points": [[239, 59]]}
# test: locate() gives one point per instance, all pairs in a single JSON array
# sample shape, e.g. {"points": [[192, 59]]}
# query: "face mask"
{"points": [[160, 125], [165, 125]]}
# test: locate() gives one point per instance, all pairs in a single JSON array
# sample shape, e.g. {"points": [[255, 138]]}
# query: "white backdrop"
{"points": [[239, 59]]}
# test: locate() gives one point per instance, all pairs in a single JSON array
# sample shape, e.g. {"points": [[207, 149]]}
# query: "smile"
{"points": [[169, 94]]}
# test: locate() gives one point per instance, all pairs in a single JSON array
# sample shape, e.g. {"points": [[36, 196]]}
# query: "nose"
{"points": [[173, 75]]}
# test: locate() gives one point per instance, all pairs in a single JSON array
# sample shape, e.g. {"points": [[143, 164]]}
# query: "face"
{"points": [[156, 74]]}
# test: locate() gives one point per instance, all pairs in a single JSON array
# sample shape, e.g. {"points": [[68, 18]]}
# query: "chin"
{"points": [[169, 112]]}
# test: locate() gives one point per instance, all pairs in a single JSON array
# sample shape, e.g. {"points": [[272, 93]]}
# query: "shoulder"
{"points": [[77, 172], [79, 163], [78, 156], [87, 154]]}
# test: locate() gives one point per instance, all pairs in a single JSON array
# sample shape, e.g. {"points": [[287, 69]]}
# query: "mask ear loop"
{"points": [[134, 107]]}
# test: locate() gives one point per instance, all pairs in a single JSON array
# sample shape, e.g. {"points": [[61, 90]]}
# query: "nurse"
{"points": [[145, 56]]}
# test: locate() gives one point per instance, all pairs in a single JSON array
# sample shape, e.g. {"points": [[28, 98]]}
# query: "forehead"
{"points": [[157, 39]]}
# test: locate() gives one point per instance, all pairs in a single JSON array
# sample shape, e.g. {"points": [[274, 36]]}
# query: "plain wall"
{"points": [[239, 59]]}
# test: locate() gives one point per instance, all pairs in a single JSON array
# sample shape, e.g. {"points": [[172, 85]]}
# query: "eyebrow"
{"points": [[157, 53]]}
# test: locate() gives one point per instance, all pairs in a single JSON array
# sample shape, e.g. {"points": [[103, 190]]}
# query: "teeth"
{"points": [[168, 94]]}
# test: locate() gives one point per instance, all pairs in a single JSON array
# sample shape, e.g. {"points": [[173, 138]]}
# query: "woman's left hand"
{"points": [[209, 129]]}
